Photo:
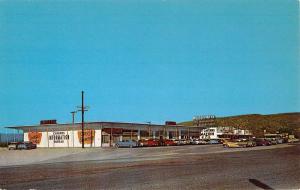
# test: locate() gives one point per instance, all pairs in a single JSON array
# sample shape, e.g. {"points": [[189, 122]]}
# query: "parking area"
{"points": [[53, 155]]}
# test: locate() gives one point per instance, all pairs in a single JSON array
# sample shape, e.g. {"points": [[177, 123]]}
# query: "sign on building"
{"points": [[89, 136], [35, 137], [205, 120]]}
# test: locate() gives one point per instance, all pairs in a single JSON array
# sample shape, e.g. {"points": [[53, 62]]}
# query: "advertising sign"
{"points": [[59, 137], [35, 137], [88, 136]]}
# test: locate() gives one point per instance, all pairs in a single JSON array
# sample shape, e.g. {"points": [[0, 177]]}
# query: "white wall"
{"points": [[68, 138]]}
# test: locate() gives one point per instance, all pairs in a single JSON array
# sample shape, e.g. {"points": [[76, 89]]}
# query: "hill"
{"points": [[283, 122]]}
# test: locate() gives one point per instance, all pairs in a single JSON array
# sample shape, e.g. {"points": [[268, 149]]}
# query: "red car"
{"points": [[152, 142], [169, 142]]}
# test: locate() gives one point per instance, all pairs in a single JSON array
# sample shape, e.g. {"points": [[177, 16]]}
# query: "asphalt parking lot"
{"points": [[54, 155], [184, 167]]}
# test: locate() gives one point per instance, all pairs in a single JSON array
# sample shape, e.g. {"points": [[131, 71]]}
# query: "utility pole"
{"points": [[82, 118], [73, 116], [82, 109]]}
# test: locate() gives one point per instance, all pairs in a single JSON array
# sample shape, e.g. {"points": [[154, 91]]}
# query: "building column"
{"points": [[100, 139], [179, 133], [139, 134], [168, 134], [153, 132], [67, 136]]}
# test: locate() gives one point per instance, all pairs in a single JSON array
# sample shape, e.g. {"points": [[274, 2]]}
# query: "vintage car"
{"points": [[238, 143], [30, 145], [198, 141], [169, 142], [213, 141], [179, 142], [143, 142], [149, 142], [126, 144], [262, 142], [153, 142], [13, 145], [273, 141], [293, 140], [26, 146]]}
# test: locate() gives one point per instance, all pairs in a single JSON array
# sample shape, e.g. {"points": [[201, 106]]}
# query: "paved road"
{"points": [[277, 168]]}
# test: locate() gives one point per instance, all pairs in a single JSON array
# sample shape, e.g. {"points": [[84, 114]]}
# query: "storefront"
{"points": [[101, 134]]}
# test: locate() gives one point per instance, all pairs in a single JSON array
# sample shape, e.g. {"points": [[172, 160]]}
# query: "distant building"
{"points": [[223, 132]]}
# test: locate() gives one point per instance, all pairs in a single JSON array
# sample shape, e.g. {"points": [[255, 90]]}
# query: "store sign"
{"points": [[48, 122], [89, 136], [59, 137], [35, 137]]}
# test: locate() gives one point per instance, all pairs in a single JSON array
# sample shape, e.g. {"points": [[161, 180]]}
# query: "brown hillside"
{"points": [[284, 122]]}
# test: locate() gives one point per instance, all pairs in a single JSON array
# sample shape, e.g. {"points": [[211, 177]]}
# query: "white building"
{"points": [[101, 134], [218, 132]]}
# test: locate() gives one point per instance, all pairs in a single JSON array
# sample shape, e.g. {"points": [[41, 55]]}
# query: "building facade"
{"points": [[223, 132], [102, 134]]}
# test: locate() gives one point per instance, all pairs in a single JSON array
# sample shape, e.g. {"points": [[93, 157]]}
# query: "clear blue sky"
{"points": [[142, 61]]}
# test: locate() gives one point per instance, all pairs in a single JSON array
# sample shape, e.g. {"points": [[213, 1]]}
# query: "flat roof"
{"points": [[96, 125]]}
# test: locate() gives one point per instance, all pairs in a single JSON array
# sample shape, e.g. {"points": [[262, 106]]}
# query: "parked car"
{"points": [[203, 142], [13, 145], [30, 145], [195, 141], [279, 141], [293, 140], [26, 146], [179, 142], [239, 143], [169, 142], [152, 142], [273, 141], [186, 141], [22, 146], [126, 144], [231, 144], [251, 143], [143, 142], [213, 141], [198, 141], [262, 142]]}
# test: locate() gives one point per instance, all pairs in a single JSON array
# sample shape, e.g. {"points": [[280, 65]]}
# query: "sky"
{"points": [[141, 61]]}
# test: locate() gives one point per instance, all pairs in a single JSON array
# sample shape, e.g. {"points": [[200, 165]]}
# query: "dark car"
{"points": [[26, 146], [262, 142], [30, 145]]}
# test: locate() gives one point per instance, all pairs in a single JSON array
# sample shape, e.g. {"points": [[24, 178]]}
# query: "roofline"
{"points": [[94, 122]]}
